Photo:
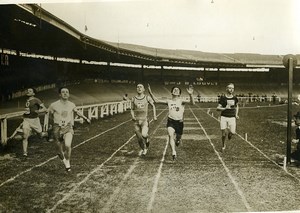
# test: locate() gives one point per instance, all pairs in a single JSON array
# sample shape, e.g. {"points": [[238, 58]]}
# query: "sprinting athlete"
{"points": [[175, 117], [61, 115], [228, 105], [31, 120], [139, 113]]}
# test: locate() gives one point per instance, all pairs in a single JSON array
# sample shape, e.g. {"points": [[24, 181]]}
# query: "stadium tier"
{"points": [[38, 49]]}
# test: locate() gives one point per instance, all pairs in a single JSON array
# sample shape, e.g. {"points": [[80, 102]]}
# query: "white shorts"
{"points": [[228, 122], [32, 124]]}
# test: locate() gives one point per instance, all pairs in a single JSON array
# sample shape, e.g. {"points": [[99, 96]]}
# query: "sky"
{"points": [[220, 26]]}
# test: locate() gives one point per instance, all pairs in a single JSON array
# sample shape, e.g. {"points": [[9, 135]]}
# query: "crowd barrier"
{"points": [[94, 111]]}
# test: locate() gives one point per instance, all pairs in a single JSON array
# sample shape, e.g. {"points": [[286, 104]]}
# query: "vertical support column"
{"points": [[290, 95], [109, 73], [162, 73], [290, 62], [142, 74], [3, 131]]}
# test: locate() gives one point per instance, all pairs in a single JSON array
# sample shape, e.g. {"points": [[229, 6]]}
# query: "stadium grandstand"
{"points": [[39, 49]]}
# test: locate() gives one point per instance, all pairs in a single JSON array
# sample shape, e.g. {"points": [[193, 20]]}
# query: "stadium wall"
{"points": [[20, 72]]}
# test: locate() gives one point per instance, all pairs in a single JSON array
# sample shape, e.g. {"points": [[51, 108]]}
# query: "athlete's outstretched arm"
{"points": [[132, 110], [150, 100], [82, 115], [190, 91], [155, 99], [42, 108]]}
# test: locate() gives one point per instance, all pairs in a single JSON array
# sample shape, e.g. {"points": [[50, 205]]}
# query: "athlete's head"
{"points": [[176, 91], [140, 88], [297, 118], [230, 88], [64, 92], [30, 91]]}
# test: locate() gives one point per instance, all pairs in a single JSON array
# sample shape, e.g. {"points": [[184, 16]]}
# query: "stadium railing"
{"points": [[94, 111]]}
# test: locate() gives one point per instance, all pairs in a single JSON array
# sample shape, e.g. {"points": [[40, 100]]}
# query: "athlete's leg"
{"points": [[26, 134], [231, 128], [37, 127], [179, 132], [224, 134], [68, 142], [58, 141], [171, 133], [223, 126], [178, 139], [138, 133], [145, 130]]}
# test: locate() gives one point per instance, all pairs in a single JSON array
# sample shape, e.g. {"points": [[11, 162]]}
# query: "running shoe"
{"points": [[177, 142], [174, 157], [144, 152], [147, 143]]}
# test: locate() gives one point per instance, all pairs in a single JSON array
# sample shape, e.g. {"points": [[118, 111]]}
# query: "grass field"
{"points": [[108, 175]]}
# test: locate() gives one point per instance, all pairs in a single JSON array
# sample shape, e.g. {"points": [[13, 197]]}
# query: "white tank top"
{"points": [[62, 112], [176, 109], [140, 107]]}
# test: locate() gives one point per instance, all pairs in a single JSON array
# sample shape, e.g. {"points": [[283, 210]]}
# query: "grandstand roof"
{"points": [[30, 28]]}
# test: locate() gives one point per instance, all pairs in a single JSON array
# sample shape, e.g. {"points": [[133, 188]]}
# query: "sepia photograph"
{"points": [[160, 106]]}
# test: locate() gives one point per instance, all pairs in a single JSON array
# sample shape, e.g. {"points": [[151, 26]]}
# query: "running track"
{"points": [[109, 176]]}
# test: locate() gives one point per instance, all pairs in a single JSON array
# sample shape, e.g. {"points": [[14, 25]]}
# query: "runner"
{"points": [[61, 115], [175, 118], [139, 113]]}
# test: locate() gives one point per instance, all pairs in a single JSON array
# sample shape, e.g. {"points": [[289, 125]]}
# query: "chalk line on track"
{"points": [[112, 198], [157, 177], [108, 204], [50, 159], [262, 153], [98, 168], [236, 186]]}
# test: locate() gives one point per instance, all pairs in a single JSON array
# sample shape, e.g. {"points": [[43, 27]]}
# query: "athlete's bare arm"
{"points": [[42, 108], [237, 111], [155, 99], [81, 115], [190, 91], [150, 100], [132, 110]]}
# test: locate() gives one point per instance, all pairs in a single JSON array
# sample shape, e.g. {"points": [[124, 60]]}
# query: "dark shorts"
{"points": [[60, 131], [176, 125]]}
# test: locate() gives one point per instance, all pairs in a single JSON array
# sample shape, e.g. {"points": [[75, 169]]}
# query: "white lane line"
{"points": [[116, 192], [236, 186], [155, 185], [262, 153], [97, 169], [27, 170], [50, 159], [156, 180]]}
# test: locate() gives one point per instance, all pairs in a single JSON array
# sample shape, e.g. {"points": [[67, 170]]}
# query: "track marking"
{"points": [[116, 192], [157, 177], [50, 159], [236, 186], [108, 204], [97, 169], [262, 153]]}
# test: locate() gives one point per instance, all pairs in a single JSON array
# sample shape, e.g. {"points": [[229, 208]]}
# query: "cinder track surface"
{"points": [[108, 175]]}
